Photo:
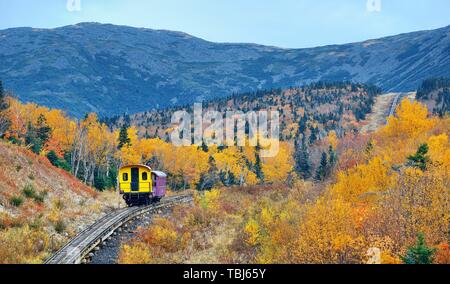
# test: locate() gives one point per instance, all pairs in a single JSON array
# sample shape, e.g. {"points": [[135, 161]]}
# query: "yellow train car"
{"points": [[140, 185]]}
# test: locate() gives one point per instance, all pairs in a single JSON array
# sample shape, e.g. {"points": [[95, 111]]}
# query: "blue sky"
{"points": [[284, 23]]}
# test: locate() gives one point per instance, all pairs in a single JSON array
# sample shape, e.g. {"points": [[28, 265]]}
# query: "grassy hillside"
{"points": [[41, 206]]}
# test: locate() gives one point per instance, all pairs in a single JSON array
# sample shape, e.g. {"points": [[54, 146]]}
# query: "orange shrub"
{"points": [[442, 255], [138, 253]]}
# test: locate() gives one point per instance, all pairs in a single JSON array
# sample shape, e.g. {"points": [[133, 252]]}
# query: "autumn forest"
{"points": [[333, 194]]}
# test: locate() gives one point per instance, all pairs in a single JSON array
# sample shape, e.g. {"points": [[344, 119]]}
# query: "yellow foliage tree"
{"points": [[130, 154], [278, 168], [329, 234], [404, 132], [252, 230], [333, 139], [362, 182], [233, 160]]}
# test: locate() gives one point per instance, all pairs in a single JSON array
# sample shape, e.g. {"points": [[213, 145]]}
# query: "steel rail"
{"points": [[80, 246], [394, 104]]}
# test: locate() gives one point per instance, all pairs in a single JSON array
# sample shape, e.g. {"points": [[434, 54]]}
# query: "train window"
{"points": [[125, 177], [144, 176]]}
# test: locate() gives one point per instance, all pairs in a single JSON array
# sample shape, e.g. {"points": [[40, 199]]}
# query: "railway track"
{"points": [[394, 104], [398, 99], [385, 107], [80, 246]]}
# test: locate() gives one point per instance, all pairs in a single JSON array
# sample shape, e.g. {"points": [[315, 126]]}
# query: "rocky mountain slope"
{"points": [[111, 69], [435, 93]]}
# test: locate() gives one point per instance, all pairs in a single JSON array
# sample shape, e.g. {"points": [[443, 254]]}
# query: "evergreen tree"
{"points": [[302, 124], [258, 164], [420, 159], [302, 163], [52, 157], [321, 172], [313, 136], [204, 147], [227, 178], [43, 131], [209, 179], [332, 157], [58, 162], [123, 137], [37, 137], [31, 139], [420, 253]]}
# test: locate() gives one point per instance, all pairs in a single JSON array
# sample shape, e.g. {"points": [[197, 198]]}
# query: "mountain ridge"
{"points": [[109, 69]]}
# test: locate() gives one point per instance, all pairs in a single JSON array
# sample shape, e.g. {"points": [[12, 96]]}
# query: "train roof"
{"points": [[159, 173], [136, 166]]}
